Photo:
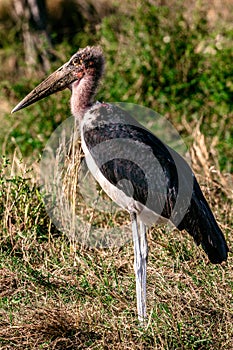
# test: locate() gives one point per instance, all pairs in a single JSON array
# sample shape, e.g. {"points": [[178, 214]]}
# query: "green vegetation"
{"points": [[57, 294]]}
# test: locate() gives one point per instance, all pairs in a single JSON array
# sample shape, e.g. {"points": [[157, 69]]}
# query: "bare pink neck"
{"points": [[82, 95]]}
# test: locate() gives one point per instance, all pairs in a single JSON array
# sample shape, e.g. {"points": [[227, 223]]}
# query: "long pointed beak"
{"points": [[57, 81]]}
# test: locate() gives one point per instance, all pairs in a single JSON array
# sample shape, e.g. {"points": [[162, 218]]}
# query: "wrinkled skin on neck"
{"points": [[83, 93]]}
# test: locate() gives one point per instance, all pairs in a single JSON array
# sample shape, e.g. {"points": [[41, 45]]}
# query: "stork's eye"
{"points": [[77, 61]]}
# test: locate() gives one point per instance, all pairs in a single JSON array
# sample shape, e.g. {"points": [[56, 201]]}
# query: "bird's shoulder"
{"points": [[105, 122]]}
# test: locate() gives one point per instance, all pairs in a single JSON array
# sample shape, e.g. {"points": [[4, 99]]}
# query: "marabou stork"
{"points": [[149, 198]]}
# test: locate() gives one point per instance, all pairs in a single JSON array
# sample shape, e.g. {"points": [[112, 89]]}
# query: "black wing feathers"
{"points": [[198, 219]]}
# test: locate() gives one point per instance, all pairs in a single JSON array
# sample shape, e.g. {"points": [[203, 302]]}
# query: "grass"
{"points": [[56, 293], [87, 300]]}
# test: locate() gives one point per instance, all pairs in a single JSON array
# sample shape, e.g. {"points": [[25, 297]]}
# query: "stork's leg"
{"points": [[140, 260], [144, 254]]}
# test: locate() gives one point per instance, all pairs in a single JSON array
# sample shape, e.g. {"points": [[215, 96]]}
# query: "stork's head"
{"points": [[88, 61]]}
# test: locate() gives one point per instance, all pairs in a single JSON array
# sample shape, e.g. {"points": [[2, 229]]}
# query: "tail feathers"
{"points": [[216, 255], [213, 241], [200, 223]]}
